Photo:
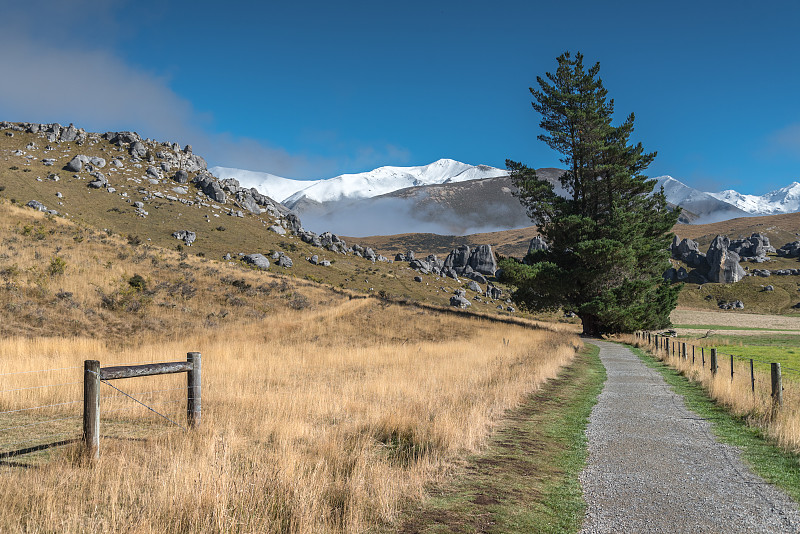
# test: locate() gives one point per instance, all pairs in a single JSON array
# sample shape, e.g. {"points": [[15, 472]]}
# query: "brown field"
{"points": [[323, 410], [328, 420]]}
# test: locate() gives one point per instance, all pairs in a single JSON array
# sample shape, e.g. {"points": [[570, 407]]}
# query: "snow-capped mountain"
{"points": [[268, 184], [705, 205], [362, 185], [783, 200]]}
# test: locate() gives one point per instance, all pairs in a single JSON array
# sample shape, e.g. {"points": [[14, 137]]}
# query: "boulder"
{"points": [[418, 279], [181, 176], [187, 236], [138, 150], [482, 260], [314, 260], [154, 172], [458, 259], [210, 187], [97, 162], [280, 230], [76, 163], [257, 260], [493, 292], [789, 250], [458, 301], [248, 202], [537, 243], [723, 263], [473, 286], [402, 257], [35, 204], [285, 261], [370, 255], [688, 252]]}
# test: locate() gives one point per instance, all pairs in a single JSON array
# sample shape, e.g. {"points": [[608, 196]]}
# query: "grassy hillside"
{"points": [[218, 234], [325, 408]]}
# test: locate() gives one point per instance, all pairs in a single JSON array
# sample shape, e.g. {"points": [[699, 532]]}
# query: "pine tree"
{"points": [[608, 238]]}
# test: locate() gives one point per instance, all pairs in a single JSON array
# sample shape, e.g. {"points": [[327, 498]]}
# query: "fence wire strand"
{"points": [[41, 371], [143, 404], [44, 406], [40, 387]]}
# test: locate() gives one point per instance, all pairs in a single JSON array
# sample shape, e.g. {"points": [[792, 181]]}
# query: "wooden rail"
{"points": [[93, 374]]}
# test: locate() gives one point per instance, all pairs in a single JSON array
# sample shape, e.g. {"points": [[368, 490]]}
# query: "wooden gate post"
{"points": [[193, 404], [777, 384], [91, 408], [713, 361]]}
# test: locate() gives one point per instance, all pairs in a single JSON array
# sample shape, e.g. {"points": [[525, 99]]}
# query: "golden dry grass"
{"points": [[327, 419], [783, 425]]}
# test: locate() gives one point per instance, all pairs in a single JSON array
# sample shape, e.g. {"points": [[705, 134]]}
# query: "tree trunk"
{"points": [[591, 325]]}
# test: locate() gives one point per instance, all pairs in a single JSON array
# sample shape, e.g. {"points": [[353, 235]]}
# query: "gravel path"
{"points": [[654, 466]]}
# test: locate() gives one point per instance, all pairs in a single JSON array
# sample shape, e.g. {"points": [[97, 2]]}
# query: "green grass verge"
{"points": [[527, 480], [767, 460], [763, 349]]}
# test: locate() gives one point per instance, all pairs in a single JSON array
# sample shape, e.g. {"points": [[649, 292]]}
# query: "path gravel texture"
{"points": [[654, 466]]}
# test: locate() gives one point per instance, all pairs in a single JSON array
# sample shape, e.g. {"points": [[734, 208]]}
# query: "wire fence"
{"points": [[730, 372], [43, 408]]}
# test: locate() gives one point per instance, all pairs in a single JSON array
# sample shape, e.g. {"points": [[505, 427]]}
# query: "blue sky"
{"points": [[315, 89]]}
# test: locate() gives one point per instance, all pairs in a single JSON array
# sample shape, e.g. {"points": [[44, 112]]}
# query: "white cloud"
{"points": [[98, 91]]}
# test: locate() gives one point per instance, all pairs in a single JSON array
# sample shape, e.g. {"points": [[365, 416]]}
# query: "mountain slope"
{"points": [[268, 184], [783, 200], [708, 208]]}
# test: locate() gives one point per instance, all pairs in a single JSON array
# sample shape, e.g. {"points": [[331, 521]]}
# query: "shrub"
{"points": [[137, 282], [57, 266]]}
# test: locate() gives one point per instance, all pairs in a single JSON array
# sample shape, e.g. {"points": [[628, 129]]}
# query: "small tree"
{"points": [[608, 237]]}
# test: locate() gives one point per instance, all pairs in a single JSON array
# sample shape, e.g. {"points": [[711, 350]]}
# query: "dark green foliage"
{"points": [[608, 239], [137, 282]]}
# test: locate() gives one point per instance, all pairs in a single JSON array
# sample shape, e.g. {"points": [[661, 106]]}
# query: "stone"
{"points": [[723, 263], [181, 176], [418, 279], [314, 260], [538, 243], [280, 230], [257, 260], [154, 172], [769, 288], [187, 236], [458, 259], [35, 204], [473, 286], [370, 255], [76, 163], [458, 301], [138, 150], [400, 257], [285, 261], [688, 252], [493, 292], [97, 162]]}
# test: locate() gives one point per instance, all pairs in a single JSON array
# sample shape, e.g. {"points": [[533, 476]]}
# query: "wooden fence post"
{"points": [[731, 367], [713, 361], [692, 354], [193, 404], [91, 408], [683, 349], [777, 384], [703, 356], [752, 377]]}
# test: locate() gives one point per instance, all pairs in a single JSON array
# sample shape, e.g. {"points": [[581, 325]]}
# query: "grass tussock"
{"points": [[324, 419], [779, 424]]}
